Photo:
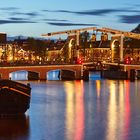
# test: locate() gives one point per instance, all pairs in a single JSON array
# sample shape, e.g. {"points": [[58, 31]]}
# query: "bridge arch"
{"points": [[24, 75], [53, 74], [18, 75], [61, 74]]}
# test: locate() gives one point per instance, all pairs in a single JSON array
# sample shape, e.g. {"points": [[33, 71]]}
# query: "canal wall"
{"points": [[110, 74]]}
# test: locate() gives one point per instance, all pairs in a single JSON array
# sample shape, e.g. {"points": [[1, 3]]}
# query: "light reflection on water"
{"points": [[83, 110], [74, 110]]}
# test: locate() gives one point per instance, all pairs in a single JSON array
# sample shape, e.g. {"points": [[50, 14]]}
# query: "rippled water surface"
{"points": [[78, 110]]}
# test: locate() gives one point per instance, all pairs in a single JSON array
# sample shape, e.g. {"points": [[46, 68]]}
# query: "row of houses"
{"points": [[59, 51]]}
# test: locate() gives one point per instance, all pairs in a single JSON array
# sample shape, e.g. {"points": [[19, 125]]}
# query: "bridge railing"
{"points": [[5, 64]]}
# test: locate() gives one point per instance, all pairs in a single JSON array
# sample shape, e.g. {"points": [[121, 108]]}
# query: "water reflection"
{"points": [[94, 75], [14, 128], [70, 113], [79, 129], [118, 110], [121, 106], [98, 86], [112, 113], [74, 110], [97, 109], [127, 110]]}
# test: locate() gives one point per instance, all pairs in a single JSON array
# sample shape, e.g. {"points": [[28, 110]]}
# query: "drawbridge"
{"points": [[117, 35]]}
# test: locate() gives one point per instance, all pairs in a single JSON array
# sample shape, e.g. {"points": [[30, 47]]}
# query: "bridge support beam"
{"points": [[117, 48], [78, 75], [4, 76], [4, 73], [121, 47]]}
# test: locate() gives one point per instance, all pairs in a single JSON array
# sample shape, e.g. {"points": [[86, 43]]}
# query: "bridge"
{"points": [[41, 70], [117, 37], [77, 69]]}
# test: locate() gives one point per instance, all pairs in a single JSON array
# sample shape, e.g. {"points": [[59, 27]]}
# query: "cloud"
{"points": [[17, 11], [15, 21], [9, 8], [96, 12], [88, 12], [102, 12], [70, 24], [62, 20], [18, 19], [130, 19], [30, 14]]}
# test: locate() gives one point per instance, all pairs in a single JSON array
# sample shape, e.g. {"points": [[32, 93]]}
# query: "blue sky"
{"points": [[36, 17]]}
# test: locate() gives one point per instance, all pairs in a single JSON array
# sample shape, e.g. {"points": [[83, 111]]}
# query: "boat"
{"points": [[14, 97]]}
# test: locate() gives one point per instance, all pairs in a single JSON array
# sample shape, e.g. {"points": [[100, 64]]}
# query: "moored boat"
{"points": [[14, 97]]}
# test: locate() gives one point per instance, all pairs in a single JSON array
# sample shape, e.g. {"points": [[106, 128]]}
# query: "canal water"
{"points": [[98, 109]]}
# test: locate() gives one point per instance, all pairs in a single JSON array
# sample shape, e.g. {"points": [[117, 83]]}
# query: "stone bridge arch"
{"points": [[65, 72], [31, 75], [31, 72], [18, 74], [51, 72]]}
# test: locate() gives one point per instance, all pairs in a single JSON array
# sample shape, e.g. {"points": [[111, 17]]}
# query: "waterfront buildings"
{"points": [[65, 51]]}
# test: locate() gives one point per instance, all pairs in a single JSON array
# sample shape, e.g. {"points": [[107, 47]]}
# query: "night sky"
{"points": [[36, 17]]}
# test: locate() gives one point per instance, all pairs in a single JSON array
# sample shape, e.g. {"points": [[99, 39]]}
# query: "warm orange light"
{"points": [[98, 85], [74, 110]]}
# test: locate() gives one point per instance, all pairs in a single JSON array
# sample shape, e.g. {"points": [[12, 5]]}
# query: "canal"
{"points": [[98, 109]]}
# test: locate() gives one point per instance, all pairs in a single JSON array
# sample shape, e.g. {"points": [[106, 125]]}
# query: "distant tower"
{"points": [[3, 47], [3, 37]]}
